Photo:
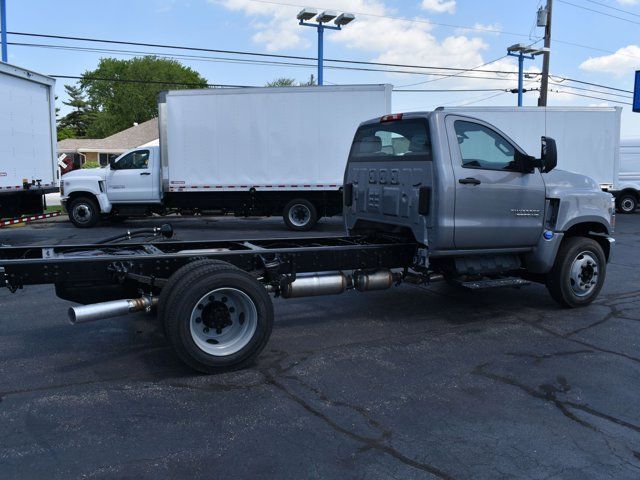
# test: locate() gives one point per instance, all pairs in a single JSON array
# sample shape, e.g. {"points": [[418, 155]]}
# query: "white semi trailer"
{"points": [[248, 151], [28, 163]]}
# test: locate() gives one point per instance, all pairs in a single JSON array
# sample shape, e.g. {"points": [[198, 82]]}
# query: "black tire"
{"points": [[560, 282], [200, 285], [626, 203], [169, 288], [84, 212], [300, 215]]}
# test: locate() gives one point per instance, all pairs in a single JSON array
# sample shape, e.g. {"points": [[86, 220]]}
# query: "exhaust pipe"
{"points": [[314, 284], [116, 308]]}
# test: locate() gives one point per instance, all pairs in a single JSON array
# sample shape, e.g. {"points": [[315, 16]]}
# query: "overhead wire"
{"points": [[599, 12]]}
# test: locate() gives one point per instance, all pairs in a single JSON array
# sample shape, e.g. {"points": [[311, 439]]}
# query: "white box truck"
{"points": [[28, 163], [247, 151], [588, 138], [628, 185]]}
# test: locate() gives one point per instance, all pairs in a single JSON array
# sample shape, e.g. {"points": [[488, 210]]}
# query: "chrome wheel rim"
{"points": [[584, 274], [223, 321], [627, 204], [299, 215], [82, 213]]}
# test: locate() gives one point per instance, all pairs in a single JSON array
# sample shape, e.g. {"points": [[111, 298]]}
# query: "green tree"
{"points": [[123, 92], [282, 82], [75, 123], [291, 82]]}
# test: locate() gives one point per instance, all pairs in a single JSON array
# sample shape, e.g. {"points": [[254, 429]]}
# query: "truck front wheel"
{"points": [[300, 215], [578, 272], [217, 317], [84, 212], [627, 203]]}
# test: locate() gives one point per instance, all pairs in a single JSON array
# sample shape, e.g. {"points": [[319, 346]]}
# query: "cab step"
{"points": [[494, 283]]}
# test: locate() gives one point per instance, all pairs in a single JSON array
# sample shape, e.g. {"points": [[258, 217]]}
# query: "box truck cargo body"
{"points": [[28, 164], [248, 151], [587, 138]]}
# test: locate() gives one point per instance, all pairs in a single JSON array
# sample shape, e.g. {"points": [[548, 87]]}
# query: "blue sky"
{"points": [[609, 53]]}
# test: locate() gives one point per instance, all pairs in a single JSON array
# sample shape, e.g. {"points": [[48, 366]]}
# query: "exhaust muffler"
{"points": [[115, 308], [333, 283]]}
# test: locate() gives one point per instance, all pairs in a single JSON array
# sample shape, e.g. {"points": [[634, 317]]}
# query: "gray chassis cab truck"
{"points": [[427, 196]]}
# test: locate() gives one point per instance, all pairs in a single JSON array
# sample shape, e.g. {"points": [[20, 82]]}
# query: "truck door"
{"points": [[496, 205], [132, 178]]}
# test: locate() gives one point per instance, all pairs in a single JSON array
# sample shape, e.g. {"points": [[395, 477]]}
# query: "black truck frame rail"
{"points": [[92, 273]]}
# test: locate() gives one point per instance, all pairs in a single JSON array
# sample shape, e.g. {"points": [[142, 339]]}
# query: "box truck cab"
{"points": [[132, 178]]}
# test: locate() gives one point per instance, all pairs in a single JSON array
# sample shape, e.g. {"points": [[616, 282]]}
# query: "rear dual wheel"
{"points": [[216, 316]]}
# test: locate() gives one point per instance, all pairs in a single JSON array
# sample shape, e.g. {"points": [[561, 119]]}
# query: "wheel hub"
{"points": [[223, 321], [584, 274], [299, 215], [216, 315]]}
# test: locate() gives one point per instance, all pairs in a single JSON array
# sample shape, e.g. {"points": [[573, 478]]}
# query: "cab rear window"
{"points": [[399, 140]]}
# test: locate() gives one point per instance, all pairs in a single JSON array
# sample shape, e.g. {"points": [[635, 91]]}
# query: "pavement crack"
{"points": [[368, 442]]}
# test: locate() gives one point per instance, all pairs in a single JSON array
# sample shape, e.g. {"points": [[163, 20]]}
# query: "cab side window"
{"points": [[138, 160], [481, 147]]}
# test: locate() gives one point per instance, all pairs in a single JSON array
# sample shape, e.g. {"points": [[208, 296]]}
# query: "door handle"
{"points": [[469, 181], [145, 173]]}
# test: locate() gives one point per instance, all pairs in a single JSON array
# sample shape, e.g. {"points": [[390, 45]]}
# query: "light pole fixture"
{"points": [[522, 51], [321, 20], [3, 27]]}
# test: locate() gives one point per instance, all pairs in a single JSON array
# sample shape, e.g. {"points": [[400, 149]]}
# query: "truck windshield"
{"points": [[402, 140]]}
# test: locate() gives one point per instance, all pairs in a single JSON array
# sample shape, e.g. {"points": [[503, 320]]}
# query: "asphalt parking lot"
{"points": [[407, 383]]}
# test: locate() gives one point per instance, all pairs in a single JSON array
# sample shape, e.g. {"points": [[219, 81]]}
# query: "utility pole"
{"points": [[3, 27], [542, 101]]}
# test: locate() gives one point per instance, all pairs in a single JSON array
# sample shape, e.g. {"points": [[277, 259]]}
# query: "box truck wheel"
{"points": [[84, 212], [578, 272], [217, 317], [627, 202], [300, 214]]}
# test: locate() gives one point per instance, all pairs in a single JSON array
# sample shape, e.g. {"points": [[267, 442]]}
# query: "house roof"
{"points": [[119, 142]]}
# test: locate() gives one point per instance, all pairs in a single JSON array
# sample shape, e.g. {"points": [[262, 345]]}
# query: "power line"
{"points": [[453, 90], [159, 82], [225, 59], [455, 74], [591, 96], [249, 53], [598, 11], [590, 90], [250, 61], [613, 8]]}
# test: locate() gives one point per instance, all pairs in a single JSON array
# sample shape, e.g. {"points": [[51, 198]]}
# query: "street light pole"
{"points": [[321, 20], [3, 27], [522, 51]]}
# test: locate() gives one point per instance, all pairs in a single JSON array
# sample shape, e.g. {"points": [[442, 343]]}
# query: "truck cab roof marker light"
{"points": [[391, 118]]}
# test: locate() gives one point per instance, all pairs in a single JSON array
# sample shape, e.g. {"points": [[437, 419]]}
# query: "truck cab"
{"points": [[130, 182], [482, 207]]}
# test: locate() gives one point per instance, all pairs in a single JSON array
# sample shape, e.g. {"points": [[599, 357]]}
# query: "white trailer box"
{"points": [[290, 138], [587, 138], [28, 163]]}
